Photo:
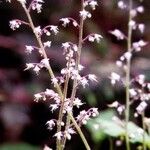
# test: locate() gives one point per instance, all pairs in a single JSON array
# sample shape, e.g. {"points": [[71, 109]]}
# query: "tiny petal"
{"points": [[118, 34], [85, 14], [47, 44]]}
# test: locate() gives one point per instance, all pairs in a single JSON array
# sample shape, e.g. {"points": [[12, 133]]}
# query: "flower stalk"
{"points": [[128, 71]]}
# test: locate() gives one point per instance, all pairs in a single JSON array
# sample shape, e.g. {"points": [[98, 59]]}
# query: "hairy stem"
{"points": [[128, 71], [58, 89]]}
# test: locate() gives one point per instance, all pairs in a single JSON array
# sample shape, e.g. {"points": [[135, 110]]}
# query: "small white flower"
{"points": [[121, 5], [92, 77], [37, 69], [77, 102], [132, 92], [50, 124], [29, 66], [66, 45], [69, 132], [141, 107], [37, 97], [84, 82], [54, 81], [133, 13], [38, 30], [114, 77], [14, 24], [94, 37], [85, 14], [128, 55], [132, 24], [114, 104], [91, 38], [141, 27], [54, 29], [118, 34], [95, 112], [93, 4], [29, 49], [75, 24], [45, 62], [65, 21], [97, 37], [53, 107], [37, 5], [47, 44], [59, 135], [119, 63], [140, 9]]}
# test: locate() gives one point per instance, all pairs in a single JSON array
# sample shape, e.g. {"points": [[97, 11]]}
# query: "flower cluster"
{"points": [[137, 89], [59, 99]]}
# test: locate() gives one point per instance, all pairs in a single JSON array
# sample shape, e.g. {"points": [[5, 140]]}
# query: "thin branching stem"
{"points": [[58, 89], [128, 71], [75, 82]]}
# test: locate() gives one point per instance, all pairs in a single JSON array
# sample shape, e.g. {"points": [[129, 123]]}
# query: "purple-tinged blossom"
{"points": [[68, 133], [37, 97], [93, 4], [65, 21], [47, 44], [118, 34], [59, 135], [37, 69], [45, 63], [141, 107], [54, 81], [132, 24], [140, 9], [54, 29], [53, 107], [77, 102], [29, 49], [114, 104], [141, 27], [38, 30], [121, 5], [114, 78], [50, 124], [85, 14], [37, 5], [29, 66], [92, 77], [95, 37], [15, 24]]}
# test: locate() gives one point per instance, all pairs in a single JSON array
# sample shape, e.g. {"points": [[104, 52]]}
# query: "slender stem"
{"points": [[80, 132], [74, 89], [51, 71], [128, 71], [144, 130], [60, 143]]}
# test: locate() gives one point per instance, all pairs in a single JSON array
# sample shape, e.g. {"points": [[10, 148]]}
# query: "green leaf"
{"points": [[104, 126]]}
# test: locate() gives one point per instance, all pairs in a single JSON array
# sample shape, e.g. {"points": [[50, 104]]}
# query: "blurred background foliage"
{"points": [[21, 119]]}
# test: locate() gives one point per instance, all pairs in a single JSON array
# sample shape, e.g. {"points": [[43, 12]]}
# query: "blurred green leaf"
{"points": [[91, 99], [18, 146], [104, 126]]}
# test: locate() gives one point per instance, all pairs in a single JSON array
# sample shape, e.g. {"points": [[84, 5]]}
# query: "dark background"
{"points": [[21, 119]]}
